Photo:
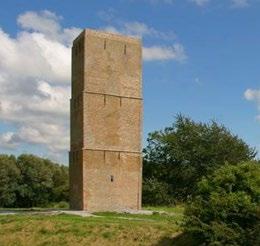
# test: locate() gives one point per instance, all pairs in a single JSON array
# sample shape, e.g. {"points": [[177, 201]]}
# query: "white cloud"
{"points": [[240, 3], [139, 29], [156, 52], [175, 52], [35, 78], [201, 2], [47, 23], [33, 54], [6, 140], [253, 95], [34, 82]]}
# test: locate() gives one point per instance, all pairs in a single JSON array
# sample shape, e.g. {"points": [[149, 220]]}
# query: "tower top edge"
{"points": [[108, 35]]}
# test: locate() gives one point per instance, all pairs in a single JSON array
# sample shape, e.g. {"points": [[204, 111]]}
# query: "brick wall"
{"points": [[106, 122]]}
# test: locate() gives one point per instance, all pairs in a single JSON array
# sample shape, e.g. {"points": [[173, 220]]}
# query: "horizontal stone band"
{"points": [[110, 150], [113, 95]]}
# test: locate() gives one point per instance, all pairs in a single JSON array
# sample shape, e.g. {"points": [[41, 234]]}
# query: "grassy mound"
{"points": [[103, 229]]}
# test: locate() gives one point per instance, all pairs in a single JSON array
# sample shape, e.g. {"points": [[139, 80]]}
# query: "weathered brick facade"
{"points": [[106, 122]]}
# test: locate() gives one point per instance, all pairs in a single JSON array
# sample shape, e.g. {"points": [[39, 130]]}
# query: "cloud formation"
{"points": [[139, 29], [253, 95], [155, 52], [35, 82], [35, 68], [175, 52]]}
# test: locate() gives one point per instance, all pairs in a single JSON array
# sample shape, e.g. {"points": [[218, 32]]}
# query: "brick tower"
{"points": [[106, 122]]}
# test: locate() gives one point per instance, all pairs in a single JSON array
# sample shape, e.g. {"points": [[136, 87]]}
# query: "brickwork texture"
{"points": [[106, 122]]}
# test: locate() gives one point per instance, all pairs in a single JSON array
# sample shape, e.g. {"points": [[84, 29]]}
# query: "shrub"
{"points": [[155, 193], [226, 209]]}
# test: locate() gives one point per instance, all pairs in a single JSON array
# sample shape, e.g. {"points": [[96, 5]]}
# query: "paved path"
{"points": [[71, 212], [45, 212]]}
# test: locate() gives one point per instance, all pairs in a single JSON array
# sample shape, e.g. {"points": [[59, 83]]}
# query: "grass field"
{"points": [[104, 229]]}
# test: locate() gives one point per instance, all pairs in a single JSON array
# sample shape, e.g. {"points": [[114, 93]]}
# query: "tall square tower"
{"points": [[106, 122]]}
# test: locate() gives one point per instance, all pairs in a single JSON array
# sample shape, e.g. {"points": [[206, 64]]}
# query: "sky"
{"points": [[201, 58]]}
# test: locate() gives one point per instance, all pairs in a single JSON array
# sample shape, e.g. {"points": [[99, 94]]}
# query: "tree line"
{"points": [[175, 160], [30, 181], [202, 165]]}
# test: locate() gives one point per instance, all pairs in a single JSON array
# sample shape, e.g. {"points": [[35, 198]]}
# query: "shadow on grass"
{"points": [[182, 239]]}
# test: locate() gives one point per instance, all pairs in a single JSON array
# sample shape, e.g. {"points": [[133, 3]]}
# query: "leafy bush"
{"points": [[156, 193], [226, 210]]}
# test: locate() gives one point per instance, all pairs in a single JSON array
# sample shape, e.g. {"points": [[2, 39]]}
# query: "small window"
{"points": [[105, 44], [111, 178], [105, 100], [125, 50]]}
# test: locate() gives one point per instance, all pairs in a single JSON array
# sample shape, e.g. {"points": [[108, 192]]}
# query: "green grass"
{"points": [[105, 229]]}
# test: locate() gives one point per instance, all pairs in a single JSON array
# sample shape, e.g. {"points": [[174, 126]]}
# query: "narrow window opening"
{"points": [[105, 100], [125, 50], [105, 44], [111, 178]]}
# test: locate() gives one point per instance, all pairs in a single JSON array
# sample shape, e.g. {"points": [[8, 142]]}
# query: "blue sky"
{"points": [[201, 59]]}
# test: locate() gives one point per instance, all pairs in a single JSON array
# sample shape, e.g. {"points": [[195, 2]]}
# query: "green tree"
{"points": [[36, 181], [226, 209], [181, 154], [9, 178], [32, 181], [60, 179]]}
